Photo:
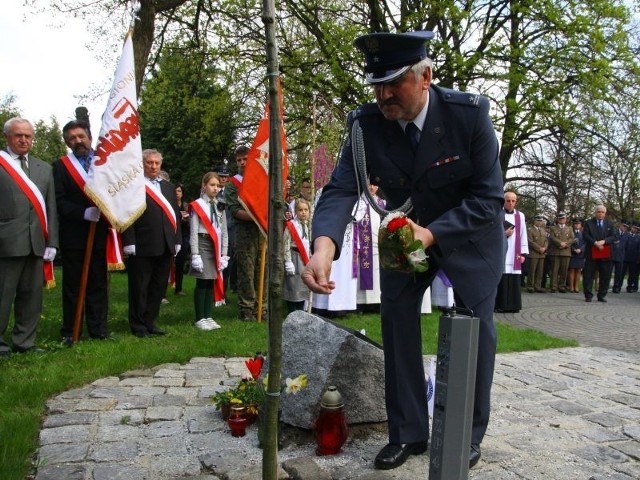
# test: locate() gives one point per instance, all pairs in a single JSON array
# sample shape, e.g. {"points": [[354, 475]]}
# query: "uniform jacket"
{"points": [[456, 190], [72, 203], [578, 244], [20, 230], [632, 251], [559, 235], [538, 240], [620, 246], [153, 233], [592, 233]]}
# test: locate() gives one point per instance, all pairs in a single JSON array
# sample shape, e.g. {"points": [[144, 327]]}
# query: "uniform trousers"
{"points": [[405, 389], [536, 270], [247, 248], [559, 271], [632, 279], [21, 280]]}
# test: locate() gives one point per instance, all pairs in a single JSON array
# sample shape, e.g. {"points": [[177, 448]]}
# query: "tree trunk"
{"points": [[274, 234]]}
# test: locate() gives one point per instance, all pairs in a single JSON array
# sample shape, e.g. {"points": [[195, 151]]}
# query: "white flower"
{"points": [[297, 384], [417, 256]]}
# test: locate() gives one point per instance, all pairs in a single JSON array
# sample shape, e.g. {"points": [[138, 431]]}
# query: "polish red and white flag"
{"points": [[254, 191]]}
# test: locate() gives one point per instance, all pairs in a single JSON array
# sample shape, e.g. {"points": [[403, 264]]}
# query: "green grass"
{"points": [[28, 380]]}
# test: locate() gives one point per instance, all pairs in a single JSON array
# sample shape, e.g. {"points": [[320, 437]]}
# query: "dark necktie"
{"points": [[600, 224], [413, 134], [212, 212], [304, 231], [23, 164]]}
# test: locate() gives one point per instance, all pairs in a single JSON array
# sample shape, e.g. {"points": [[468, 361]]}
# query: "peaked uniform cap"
{"points": [[389, 55], [222, 171]]}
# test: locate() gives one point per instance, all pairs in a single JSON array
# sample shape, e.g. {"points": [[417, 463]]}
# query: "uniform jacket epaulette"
{"points": [[458, 97], [364, 110]]}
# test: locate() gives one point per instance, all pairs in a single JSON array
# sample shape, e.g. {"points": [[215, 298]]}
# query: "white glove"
{"points": [[49, 254], [178, 248], [289, 268], [196, 263], [224, 262], [92, 214], [129, 249]]}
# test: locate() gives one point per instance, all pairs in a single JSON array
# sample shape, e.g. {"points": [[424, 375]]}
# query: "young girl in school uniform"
{"points": [[208, 243], [296, 255]]}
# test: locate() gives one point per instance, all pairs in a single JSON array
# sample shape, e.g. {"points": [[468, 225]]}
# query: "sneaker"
{"points": [[213, 323], [164, 301], [203, 324]]}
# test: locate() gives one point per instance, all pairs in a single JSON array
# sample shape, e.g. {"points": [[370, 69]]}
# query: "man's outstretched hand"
{"points": [[317, 272]]}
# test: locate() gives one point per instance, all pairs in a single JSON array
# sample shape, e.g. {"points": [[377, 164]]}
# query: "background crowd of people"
{"points": [[556, 256]]}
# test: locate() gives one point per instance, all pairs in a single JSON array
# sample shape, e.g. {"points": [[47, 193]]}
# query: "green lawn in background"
{"points": [[28, 380]]}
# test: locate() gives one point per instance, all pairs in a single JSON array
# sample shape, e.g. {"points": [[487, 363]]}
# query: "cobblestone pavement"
{"points": [[563, 414], [615, 324]]}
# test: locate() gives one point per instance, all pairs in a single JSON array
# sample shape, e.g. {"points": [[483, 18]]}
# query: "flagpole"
{"points": [[274, 238], [263, 262], [82, 293]]}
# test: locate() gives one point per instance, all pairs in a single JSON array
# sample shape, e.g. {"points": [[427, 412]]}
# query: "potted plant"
{"points": [[250, 392]]}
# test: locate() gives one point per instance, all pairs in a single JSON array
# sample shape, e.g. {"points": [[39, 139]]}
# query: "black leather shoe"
{"points": [[474, 455], [67, 341], [153, 330], [603, 300], [140, 334], [394, 455], [588, 299]]}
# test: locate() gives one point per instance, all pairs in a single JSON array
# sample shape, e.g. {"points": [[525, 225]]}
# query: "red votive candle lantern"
{"points": [[238, 421], [331, 428]]}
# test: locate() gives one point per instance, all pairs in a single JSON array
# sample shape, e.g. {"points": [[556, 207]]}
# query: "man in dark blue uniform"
{"points": [[450, 172]]}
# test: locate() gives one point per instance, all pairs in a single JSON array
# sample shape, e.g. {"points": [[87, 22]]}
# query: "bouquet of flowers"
{"points": [[397, 247]]}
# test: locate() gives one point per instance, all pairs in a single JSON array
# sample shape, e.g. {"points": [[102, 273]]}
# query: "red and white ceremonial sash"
{"points": [[114, 247], [237, 180], [164, 204], [198, 206], [304, 254], [32, 192]]}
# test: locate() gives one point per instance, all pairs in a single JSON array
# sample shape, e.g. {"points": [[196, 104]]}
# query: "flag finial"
{"points": [[135, 8]]}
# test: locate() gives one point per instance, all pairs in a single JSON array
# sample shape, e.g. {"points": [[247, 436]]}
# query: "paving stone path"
{"points": [[563, 414]]}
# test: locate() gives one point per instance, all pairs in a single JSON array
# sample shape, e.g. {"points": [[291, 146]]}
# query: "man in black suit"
{"points": [[150, 243], [76, 213], [599, 236], [28, 235], [437, 149]]}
